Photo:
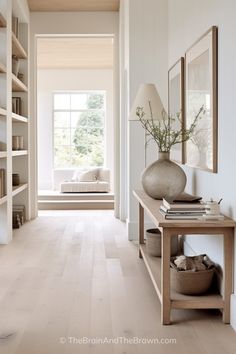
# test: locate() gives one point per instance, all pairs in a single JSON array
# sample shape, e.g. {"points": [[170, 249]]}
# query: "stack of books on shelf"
{"points": [[2, 182], [183, 207], [18, 216], [16, 105]]}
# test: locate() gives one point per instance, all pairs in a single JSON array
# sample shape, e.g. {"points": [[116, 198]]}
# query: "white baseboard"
{"points": [[133, 229], [233, 311]]}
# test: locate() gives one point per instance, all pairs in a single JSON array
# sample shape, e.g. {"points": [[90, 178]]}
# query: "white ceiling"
{"points": [[75, 53], [74, 5]]}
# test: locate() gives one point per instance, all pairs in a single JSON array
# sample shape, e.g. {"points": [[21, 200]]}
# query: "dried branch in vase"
{"points": [[162, 131]]}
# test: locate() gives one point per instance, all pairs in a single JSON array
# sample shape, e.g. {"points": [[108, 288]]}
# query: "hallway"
{"points": [[73, 274]]}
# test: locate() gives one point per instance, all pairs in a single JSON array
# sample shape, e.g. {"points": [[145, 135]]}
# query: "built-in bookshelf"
{"points": [[19, 153], [18, 189], [3, 22], [3, 154], [17, 48], [3, 112], [17, 118], [3, 200], [18, 85], [5, 229], [3, 69], [14, 112]]}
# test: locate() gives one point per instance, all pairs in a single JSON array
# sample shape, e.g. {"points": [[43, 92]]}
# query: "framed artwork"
{"points": [[176, 104], [201, 90]]}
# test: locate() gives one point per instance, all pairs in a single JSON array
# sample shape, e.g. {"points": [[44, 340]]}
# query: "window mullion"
{"points": [[70, 135]]}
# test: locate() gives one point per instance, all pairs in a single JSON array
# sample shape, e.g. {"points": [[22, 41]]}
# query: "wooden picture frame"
{"points": [[201, 73], [176, 103]]}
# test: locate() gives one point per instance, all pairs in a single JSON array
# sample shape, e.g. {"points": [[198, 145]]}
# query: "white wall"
{"points": [[61, 23], [157, 33], [188, 20], [144, 27], [49, 81]]}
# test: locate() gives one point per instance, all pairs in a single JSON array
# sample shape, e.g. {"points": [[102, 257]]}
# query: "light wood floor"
{"points": [[73, 275]]}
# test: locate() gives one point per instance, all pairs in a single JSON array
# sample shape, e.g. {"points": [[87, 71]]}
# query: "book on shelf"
{"points": [[2, 182], [16, 222], [20, 209], [3, 146], [18, 216], [17, 105]]}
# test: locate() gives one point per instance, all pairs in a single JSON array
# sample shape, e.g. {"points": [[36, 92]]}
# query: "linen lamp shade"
{"points": [[147, 93]]}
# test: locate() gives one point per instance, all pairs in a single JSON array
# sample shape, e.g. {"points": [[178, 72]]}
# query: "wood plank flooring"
{"points": [[70, 275]]}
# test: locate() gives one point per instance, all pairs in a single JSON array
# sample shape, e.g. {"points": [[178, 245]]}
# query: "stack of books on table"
{"points": [[183, 207]]}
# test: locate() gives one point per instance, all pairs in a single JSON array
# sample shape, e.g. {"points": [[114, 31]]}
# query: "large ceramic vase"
{"points": [[163, 178]]}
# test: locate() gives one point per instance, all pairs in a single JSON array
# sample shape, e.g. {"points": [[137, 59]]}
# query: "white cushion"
{"points": [[88, 176], [77, 174], [104, 175], [84, 187], [74, 177]]}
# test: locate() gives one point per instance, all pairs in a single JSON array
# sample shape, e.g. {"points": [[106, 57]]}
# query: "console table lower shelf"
{"points": [[179, 301]]}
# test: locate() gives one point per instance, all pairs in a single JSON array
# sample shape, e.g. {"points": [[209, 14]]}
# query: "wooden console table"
{"points": [[159, 268]]}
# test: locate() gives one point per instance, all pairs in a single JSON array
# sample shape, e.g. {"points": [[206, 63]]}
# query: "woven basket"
{"points": [[153, 243], [190, 283]]}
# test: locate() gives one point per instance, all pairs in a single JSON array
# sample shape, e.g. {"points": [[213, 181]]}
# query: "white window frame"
{"points": [[78, 110]]}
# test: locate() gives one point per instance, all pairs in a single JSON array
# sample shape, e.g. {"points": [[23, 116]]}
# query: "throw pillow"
{"points": [[77, 173], [74, 177], [89, 176]]}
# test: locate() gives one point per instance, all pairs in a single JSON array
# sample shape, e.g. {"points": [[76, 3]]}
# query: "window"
{"points": [[79, 129]]}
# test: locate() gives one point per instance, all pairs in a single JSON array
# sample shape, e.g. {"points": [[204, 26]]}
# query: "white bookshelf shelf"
{"points": [[19, 152], [3, 69], [18, 189], [17, 85], [3, 154], [3, 22], [3, 200], [3, 112], [17, 48], [18, 118]]}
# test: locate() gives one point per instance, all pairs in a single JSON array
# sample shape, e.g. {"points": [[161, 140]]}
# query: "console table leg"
{"points": [[228, 272], [165, 280], [141, 227]]}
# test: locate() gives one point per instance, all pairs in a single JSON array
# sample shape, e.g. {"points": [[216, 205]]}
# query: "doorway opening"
{"points": [[75, 122]]}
